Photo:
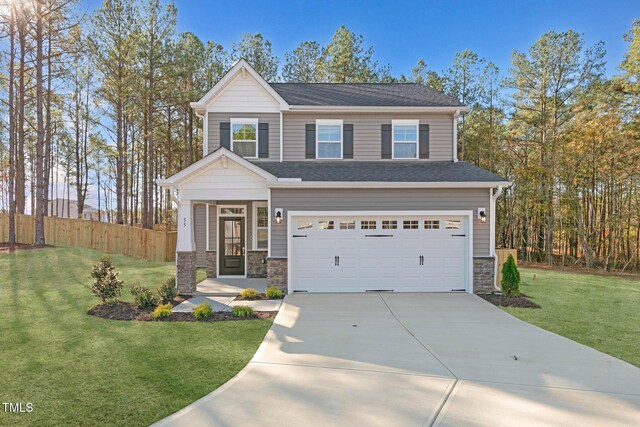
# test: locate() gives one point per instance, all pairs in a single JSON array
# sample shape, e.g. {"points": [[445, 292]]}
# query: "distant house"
{"points": [[63, 208]]}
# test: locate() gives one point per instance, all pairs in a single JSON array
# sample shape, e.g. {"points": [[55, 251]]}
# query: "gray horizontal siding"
{"points": [[200, 224], [379, 199], [366, 133], [213, 136]]}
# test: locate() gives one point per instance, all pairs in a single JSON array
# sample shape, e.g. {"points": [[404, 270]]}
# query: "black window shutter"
{"points": [[347, 141], [424, 142], [386, 141], [225, 135], [310, 141], [263, 140]]}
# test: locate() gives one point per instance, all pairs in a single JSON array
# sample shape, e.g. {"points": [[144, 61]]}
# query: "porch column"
{"points": [[185, 249]]}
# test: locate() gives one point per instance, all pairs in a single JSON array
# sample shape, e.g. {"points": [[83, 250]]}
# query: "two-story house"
{"points": [[334, 188]]}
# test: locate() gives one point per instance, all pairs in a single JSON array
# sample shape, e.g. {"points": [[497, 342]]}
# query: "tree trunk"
{"points": [[40, 141]]}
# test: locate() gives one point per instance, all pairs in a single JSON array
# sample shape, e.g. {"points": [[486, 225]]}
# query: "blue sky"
{"points": [[404, 31]]}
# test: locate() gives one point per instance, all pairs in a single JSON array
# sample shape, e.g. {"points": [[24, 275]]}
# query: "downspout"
{"points": [[455, 135], [281, 138], [205, 142], [492, 234]]}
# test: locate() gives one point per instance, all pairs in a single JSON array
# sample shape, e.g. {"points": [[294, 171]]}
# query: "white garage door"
{"points": [[379, 252]]}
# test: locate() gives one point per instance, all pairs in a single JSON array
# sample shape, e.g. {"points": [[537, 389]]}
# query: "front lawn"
{"points": [[602, 312], [81, 370]]}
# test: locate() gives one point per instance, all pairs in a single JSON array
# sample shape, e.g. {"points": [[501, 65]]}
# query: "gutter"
{"points": [[494, 197]]}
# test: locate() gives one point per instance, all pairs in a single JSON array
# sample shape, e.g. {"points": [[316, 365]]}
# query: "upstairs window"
{"points": [[329, 139], [405, 139], [244, 137]]}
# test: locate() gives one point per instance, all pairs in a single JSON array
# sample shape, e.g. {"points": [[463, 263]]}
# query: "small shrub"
{"points": [[243, 311], [143, 297], [162, 311], [168, 291], [510, 282], [202, 311], [250, 293], [107, 287], [273, 293]]}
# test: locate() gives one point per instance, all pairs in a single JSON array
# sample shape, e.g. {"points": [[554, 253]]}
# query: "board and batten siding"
{"points": [[379, 199], [367, 133], [213, 135]]}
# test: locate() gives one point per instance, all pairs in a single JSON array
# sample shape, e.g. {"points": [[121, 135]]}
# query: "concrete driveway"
{"points": [[415, 360]]}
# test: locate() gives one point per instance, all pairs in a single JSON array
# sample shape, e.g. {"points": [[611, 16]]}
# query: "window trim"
{"points": [[405, 122], [244, 121], [254, 212], [330, 122]]}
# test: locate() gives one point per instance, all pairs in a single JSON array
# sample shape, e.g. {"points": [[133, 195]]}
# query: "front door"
{"points": [[232, 246]]}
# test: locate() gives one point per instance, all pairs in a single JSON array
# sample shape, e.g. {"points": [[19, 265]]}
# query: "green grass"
{"points": [[82, 370], [602, 312]]}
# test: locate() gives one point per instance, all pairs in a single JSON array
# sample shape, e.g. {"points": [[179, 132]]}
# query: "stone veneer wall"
{"points": [[483, 279], [186, 272], [212, 264], [277, 273], [256, 264]]}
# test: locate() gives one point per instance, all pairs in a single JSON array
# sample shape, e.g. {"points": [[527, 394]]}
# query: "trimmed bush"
{"points": [[162, 311], [243, 311], [249, 293], [202, 311], [510, 282], [168, 291], [107, 287], [143, 297], [273, 293]]}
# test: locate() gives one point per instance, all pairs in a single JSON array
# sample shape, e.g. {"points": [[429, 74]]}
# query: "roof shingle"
{"points": [[363, 95], [379, 171]]}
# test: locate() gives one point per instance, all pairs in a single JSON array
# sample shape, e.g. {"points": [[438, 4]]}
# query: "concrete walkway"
{"points": [[229, 287], [417, 360]]}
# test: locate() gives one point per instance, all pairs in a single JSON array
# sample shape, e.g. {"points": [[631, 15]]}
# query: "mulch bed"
{"points": [[503, 301], [6, 247], [129, 311], [262, 297]]}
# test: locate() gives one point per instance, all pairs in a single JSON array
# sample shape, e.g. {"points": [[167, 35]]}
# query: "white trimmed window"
{"points": [[244, 137], [329, 139], [260, 225], [405, 139]]}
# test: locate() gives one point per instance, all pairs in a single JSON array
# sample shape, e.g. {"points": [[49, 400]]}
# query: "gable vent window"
{"points": [[405, 139], [329, 139], [244, 137]]}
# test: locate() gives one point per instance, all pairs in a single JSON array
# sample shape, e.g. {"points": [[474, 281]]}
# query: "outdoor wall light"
{"points": [[279, 215], [482, 215]]}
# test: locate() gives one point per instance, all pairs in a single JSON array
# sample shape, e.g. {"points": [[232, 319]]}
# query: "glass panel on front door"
{"points": [[232, 246]]}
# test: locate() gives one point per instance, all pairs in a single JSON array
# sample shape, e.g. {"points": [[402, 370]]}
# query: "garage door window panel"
{"points": [[304, 225], [431, 224], [325, 225], [368, 224], [347, 225], [453, 224], [389, 225], [410, 224]]}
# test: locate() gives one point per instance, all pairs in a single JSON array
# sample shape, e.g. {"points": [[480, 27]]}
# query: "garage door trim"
{"points": [[465, 213]]}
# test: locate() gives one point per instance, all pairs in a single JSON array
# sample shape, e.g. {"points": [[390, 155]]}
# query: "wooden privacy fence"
{"points": [[111, 238], [502, 255]]}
